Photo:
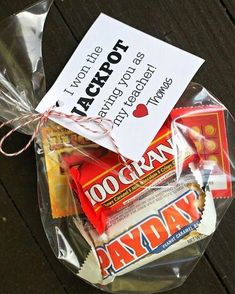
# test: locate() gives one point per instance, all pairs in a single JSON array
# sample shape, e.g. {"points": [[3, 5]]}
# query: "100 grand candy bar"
{"points": [[106, 187]]}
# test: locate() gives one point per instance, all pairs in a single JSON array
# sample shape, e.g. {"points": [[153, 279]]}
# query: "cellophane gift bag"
{"points": [[138, 227]]}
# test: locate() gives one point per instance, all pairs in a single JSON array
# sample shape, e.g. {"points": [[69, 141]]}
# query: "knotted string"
{"points": [[105, 125]]}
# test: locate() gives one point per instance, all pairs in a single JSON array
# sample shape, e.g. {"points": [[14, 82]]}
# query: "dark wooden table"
{"points": [[203, 27]]}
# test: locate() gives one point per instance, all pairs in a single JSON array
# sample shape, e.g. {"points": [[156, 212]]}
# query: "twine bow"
{"points": [[105, 126]]}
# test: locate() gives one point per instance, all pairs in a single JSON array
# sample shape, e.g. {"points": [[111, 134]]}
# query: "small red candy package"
{"points": [[205, 127]]}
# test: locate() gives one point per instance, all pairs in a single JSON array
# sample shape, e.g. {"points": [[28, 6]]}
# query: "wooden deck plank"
{"points": [[169, 23], [221, 250], [229, 9], [23, 267]]}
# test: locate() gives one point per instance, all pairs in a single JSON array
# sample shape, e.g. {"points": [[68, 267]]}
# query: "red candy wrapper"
{"points": [[205, 127]]}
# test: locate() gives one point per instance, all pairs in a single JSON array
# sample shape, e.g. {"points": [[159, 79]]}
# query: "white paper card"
{"points": [[125, 75]]}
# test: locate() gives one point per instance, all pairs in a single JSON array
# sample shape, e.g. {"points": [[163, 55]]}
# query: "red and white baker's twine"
{"points": [[106, 126]]}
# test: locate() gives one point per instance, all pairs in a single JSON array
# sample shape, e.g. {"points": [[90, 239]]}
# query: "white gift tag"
{"points": [[125, 75]]}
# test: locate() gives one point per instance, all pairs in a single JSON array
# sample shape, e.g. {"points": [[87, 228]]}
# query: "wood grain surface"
{"points": [[203, 27]]}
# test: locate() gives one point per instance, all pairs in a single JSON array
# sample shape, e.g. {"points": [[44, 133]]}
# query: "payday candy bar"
{"points": [[160, 222], [155, 233], [105, 188], [205, 127]]}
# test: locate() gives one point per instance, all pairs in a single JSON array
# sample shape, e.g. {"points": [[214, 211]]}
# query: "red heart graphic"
{"points": [[140, 111]]}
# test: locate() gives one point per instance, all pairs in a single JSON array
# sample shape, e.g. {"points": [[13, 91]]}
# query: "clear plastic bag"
{"points": [[155, 224]]}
